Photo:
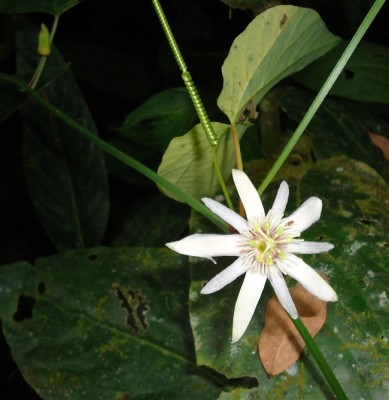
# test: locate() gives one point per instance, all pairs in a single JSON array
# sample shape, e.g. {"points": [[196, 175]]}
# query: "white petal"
{"points": [[309, 278], [281, 199], [282, 292], [302, 247], [249, 195], [227, 215], [225, 277], [207, 245], [249, 295], [307, 214]]}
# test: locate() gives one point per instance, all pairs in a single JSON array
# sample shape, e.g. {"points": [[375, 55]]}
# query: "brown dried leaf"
{"points": [[280, 343], [381, 142]]}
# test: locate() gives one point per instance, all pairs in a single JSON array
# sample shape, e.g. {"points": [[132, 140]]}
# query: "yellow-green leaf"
{"points": [[188, 162], [277, 43]]}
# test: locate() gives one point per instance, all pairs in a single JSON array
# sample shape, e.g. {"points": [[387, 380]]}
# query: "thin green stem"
{"points": [[194, 95], [320, 359], [322, 93], [131, 162], [219, 174], [42, 62]]}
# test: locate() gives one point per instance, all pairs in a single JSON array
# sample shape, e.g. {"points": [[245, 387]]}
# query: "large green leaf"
{"points": [[55, 7], [278, 42], [66, 173], [354, 339], [162, 117], [103, 324], [188, 160], [365, 77], [339, 127]]}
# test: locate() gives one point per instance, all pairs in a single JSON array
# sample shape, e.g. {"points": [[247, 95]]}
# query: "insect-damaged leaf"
{"points": [[280, 344]]}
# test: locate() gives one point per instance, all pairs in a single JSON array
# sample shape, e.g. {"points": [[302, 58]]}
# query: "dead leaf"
{"points": [[280, 343], [381, 142]]}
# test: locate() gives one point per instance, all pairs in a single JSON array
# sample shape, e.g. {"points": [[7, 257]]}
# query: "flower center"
{"points": [[265, 245]]}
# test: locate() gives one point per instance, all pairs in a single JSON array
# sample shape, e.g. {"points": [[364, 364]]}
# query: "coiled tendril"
{"points": [[186, 77]]}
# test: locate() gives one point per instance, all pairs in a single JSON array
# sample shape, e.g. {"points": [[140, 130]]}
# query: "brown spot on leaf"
{"points": [[280, 344], [283, 20]]}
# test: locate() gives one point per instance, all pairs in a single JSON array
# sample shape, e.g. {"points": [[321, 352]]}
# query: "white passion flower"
{"points": [[265, 247]]}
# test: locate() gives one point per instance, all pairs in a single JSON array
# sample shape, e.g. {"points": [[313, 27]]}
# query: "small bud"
{"points": [[44, 48]]}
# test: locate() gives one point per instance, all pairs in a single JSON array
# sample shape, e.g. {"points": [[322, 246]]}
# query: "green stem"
{"points": [[320, 359], [191, 201], [322, 93], [42, 62], [194, 95], [219, 174]]}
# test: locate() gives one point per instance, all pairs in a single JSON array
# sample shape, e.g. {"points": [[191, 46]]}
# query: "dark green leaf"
{"points": [[161, 118], [55, 7], [65, 172], [354, 339], [339, 127], [365, 77], [103, 324]]}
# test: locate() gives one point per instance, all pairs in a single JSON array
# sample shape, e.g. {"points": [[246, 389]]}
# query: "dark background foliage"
{"points": [[120, 58]]}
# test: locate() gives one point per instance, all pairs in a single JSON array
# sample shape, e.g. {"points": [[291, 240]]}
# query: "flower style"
{"points": [[264, 246]]}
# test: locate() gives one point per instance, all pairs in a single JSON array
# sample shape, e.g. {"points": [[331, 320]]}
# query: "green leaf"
{"points": [[161, 118], [354, 339], [188, 160], [103, 324], [55, 7], [65, 173], [277, 43], [339, 127], [365, 77]]}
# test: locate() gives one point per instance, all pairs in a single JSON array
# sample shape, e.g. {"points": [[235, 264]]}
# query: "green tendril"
{"points": [[194, 95], [200, 110], [186, 77], [169, 35]]}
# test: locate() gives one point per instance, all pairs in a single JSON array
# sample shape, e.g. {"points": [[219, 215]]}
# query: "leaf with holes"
{"points": [[354, 338], [278, 42], [103, 323]]}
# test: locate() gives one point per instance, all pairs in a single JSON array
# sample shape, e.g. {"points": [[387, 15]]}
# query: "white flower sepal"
{"points": [[265, 247]]}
